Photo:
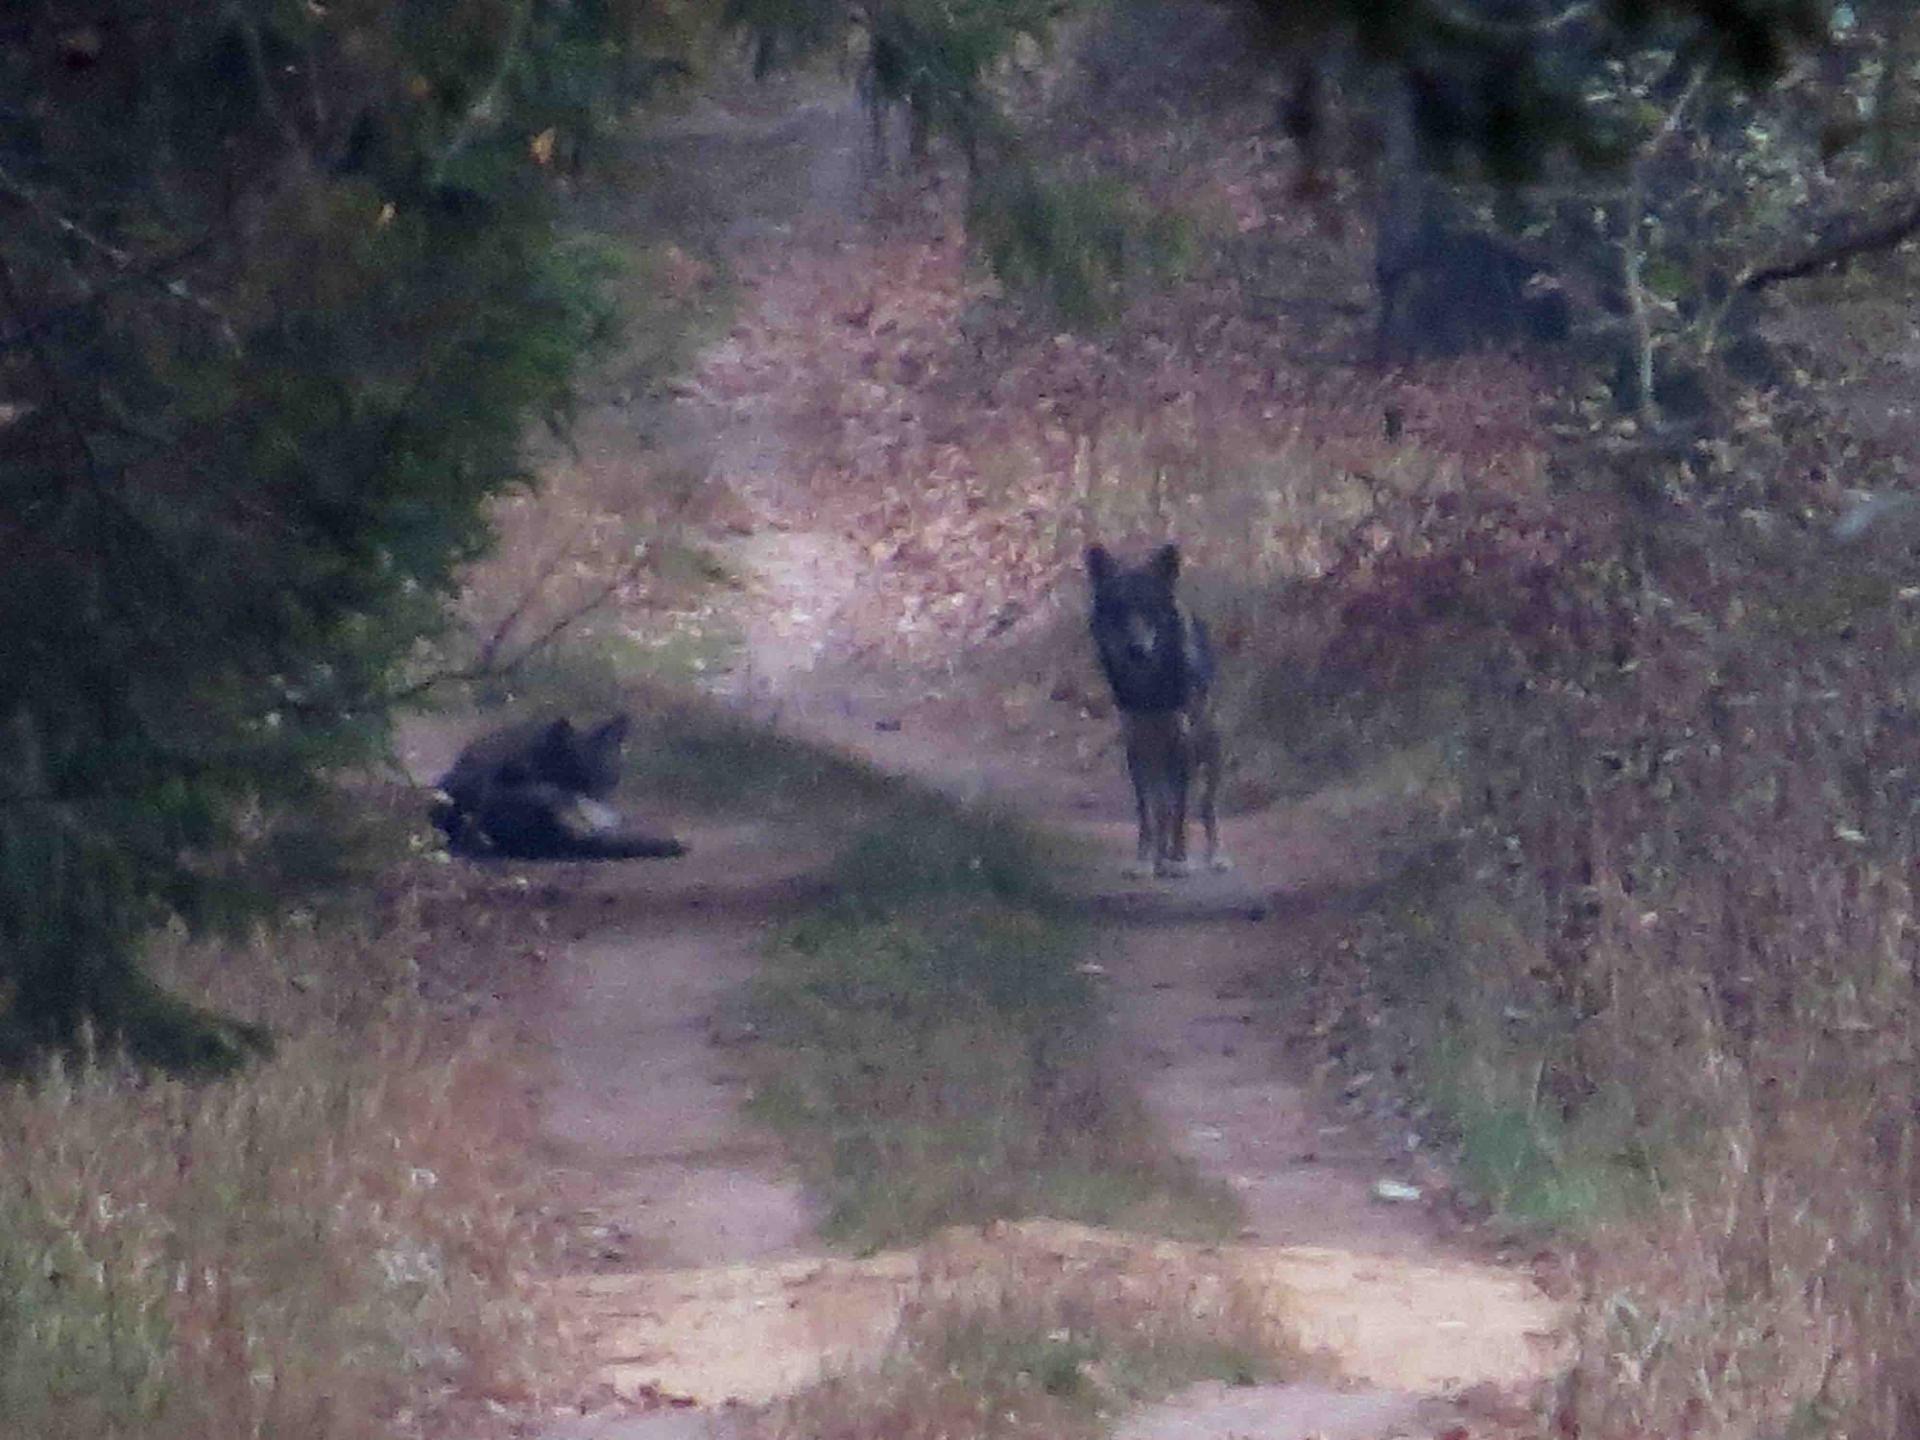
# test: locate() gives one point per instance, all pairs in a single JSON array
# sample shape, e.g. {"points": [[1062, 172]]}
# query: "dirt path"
{"points": [[642, 1113], [704, 1284], [707, 1287]]}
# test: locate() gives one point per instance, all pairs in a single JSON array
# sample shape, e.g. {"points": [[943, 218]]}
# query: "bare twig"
{"points": [[123, 262], [238, 16], [489, 666], [486, 108], [573, 617], [1490, 29], [491, 647], [1632, 256]]}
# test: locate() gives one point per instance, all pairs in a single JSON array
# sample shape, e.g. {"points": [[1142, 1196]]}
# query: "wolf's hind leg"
{"points": [[1173, 834], [1176, 782], [1209, 806]]}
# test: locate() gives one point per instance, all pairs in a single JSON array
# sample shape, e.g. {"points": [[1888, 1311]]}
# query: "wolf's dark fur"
{"points": [[1159, 661], [533, 791]]}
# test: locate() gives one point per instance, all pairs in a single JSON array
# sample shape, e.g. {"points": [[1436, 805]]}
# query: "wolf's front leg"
{"points": [[1145, 844], [1175, 782]]}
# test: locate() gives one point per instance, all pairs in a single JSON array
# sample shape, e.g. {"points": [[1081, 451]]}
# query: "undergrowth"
{"points": [[330, 1244], [1078, 244], [1657, 984], [935, 1048]]}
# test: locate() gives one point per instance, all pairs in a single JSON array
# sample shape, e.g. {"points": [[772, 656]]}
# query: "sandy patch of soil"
{"points": [[756, 1332]]}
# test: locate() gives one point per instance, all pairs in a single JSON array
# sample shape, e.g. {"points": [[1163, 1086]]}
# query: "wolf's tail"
{"points": [[623, 846]]}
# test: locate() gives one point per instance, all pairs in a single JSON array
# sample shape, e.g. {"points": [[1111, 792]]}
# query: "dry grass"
{"points": [[1664, 982], [1005, 1342], [1747, 960], [1663, 992], [332, 1245]]}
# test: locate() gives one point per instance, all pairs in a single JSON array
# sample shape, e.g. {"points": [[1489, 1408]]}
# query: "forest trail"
{"points": [[706, 1288]]}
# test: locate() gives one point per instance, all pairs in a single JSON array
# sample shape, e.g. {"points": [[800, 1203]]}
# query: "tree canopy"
{"points": [[279, 288]]}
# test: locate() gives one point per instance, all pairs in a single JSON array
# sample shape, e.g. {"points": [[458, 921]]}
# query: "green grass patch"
{"points": [[1478, 1058], [1426, 979], [1537, 1170], [696, 754], [691, 649], [1083, 244], [935, 1052]]}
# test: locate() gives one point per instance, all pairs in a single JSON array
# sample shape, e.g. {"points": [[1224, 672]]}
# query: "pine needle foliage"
{"points": [[279, 290]]}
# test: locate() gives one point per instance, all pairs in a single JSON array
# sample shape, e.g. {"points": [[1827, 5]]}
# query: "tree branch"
{"points": [[1836, 254], [122, 261], [487, 106], [487, 665], [1632, 256], [50, 377], [152, 272], [1483, 28], [1828, 256]]}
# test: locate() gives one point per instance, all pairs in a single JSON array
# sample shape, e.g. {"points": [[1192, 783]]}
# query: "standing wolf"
{"points": [[1159, 661], [535, 791]]}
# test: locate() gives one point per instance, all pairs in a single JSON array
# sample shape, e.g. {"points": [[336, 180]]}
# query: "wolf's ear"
{"points": [[1166, 563], [555, 739], [1099, 564], [601, 751], [611, 732]]}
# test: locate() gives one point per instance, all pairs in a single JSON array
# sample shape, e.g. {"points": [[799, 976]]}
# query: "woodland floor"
{"points": [[706, 1288]]}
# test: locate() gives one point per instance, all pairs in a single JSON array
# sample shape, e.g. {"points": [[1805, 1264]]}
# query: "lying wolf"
{"points": [[536, 791], [1159, 661]]}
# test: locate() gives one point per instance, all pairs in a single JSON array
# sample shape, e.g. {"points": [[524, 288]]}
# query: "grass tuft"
{"points": [[695, 753], [1023, 1345]]}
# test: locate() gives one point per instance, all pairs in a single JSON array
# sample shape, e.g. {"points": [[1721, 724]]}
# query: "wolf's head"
{"points": [[1148, 646], [584, 762]]}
